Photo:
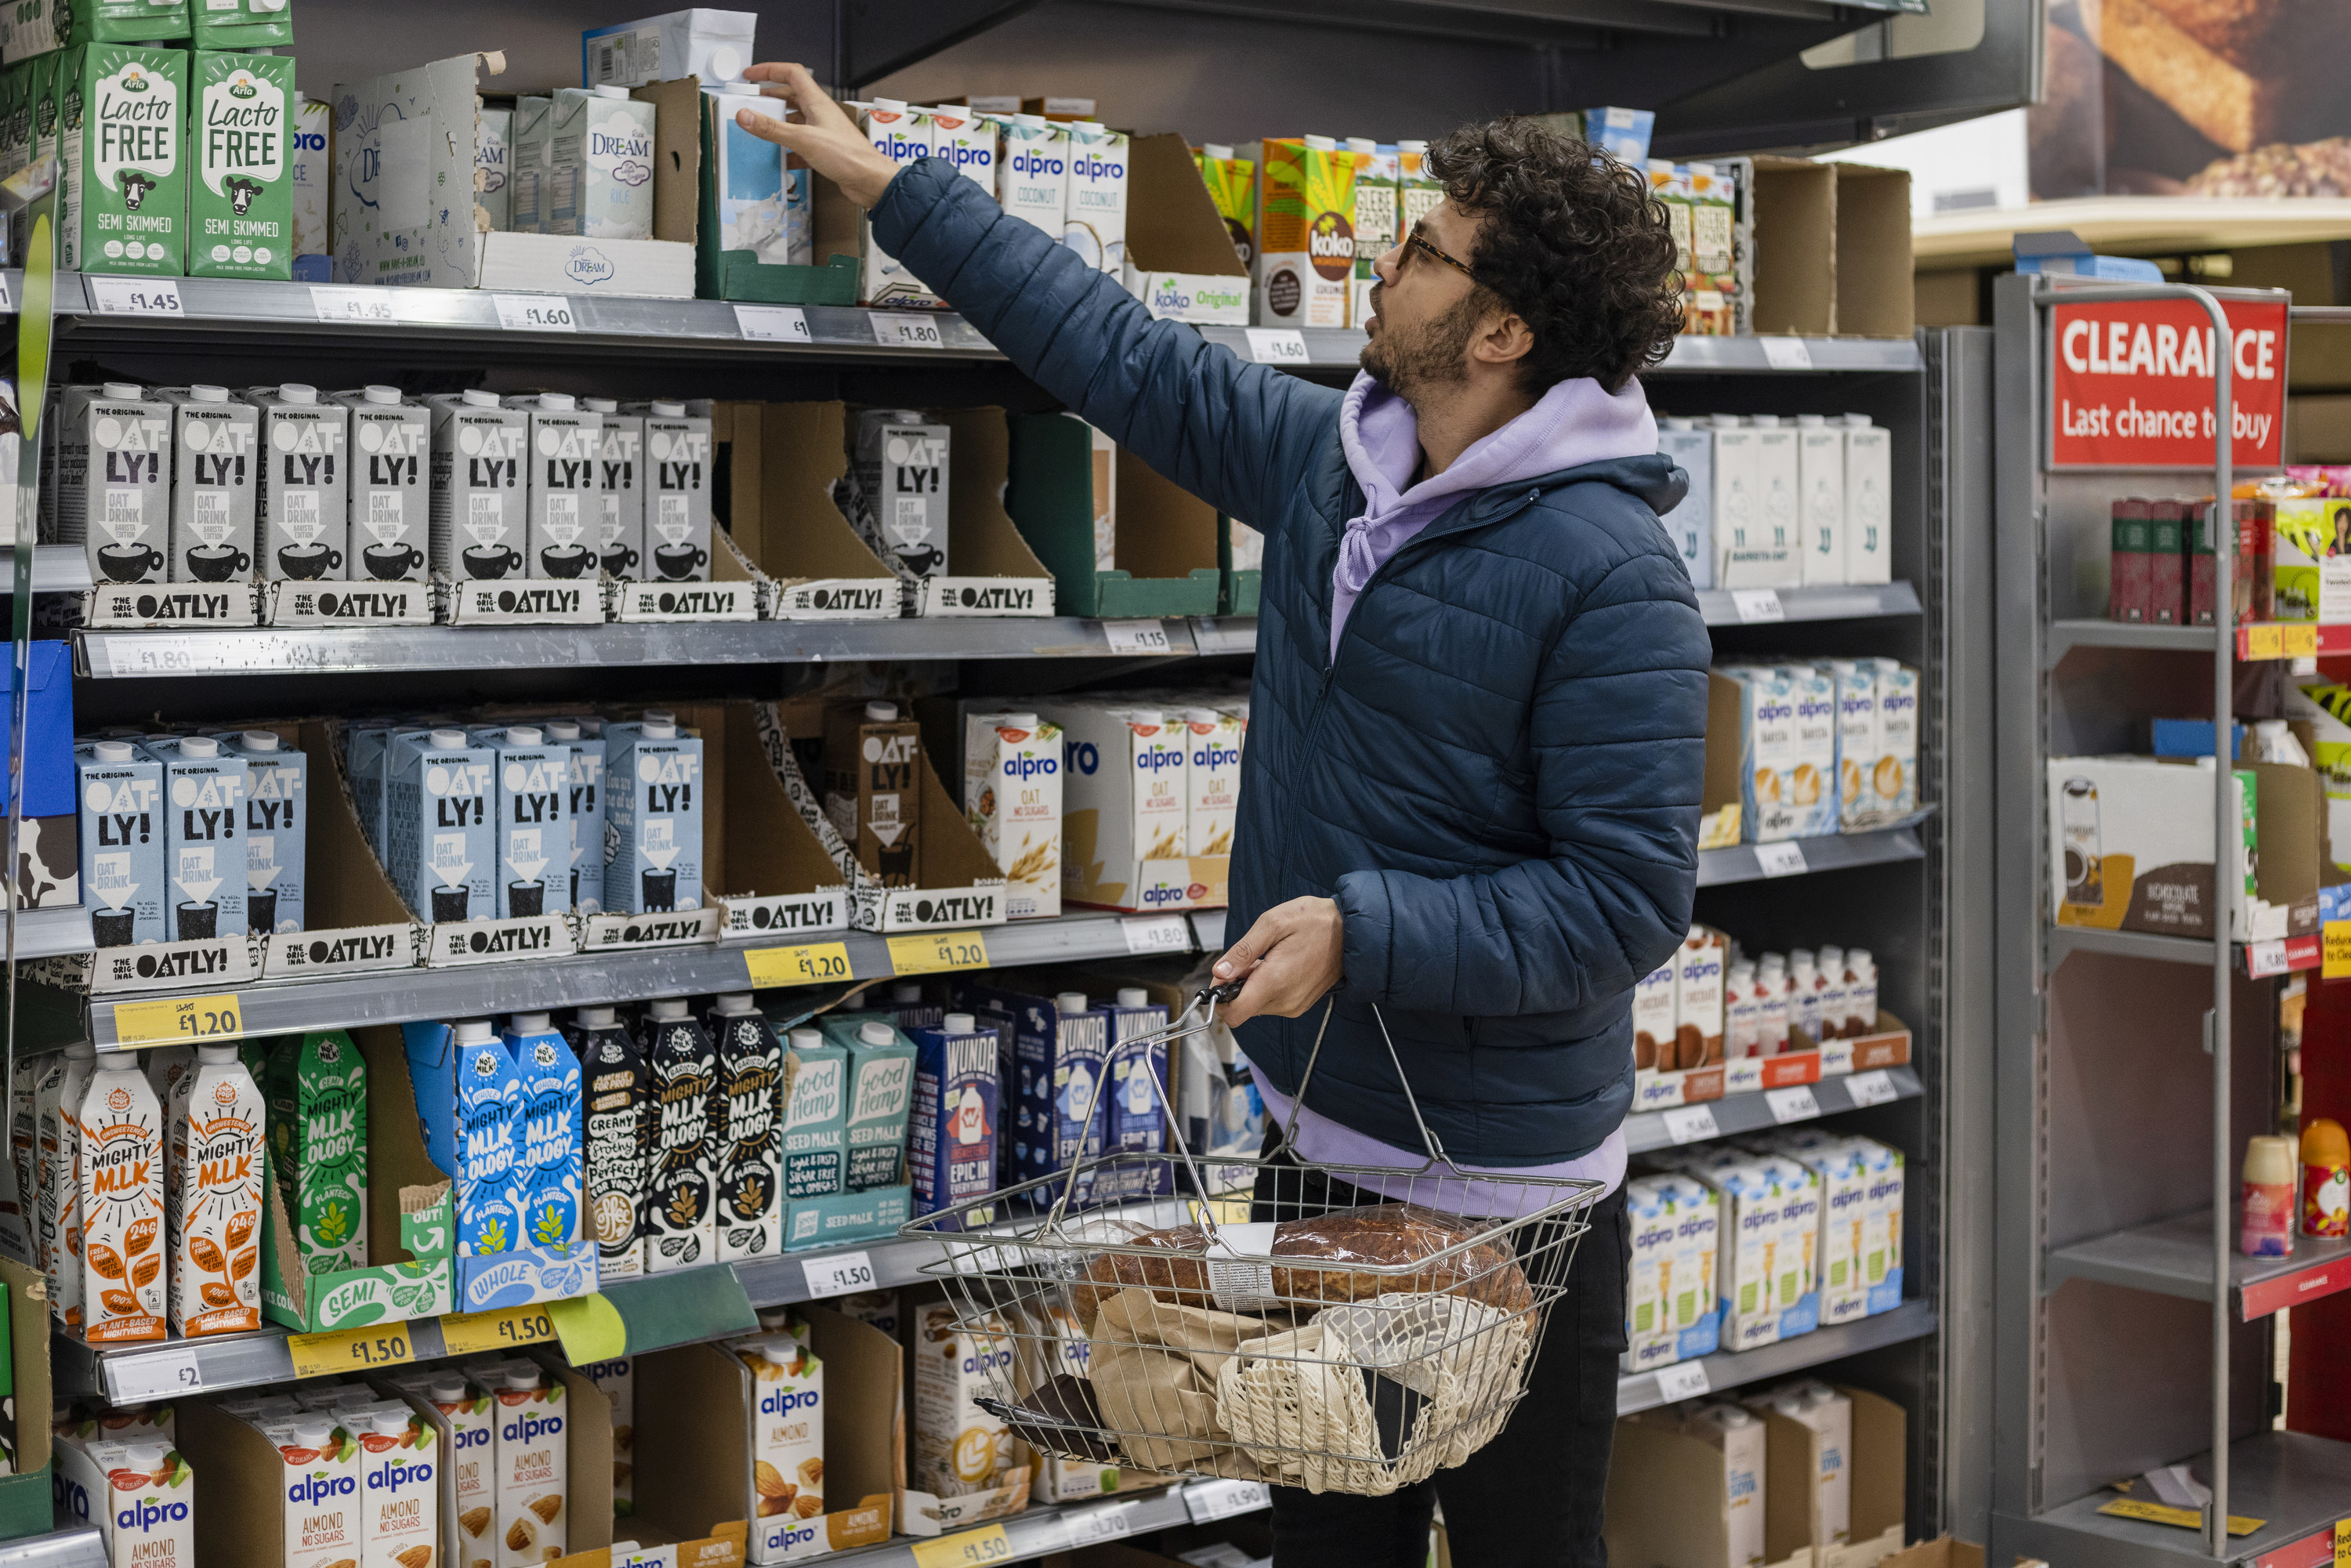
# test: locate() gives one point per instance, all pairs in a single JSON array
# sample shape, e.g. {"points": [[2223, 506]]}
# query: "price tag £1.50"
{"points": [[839, 1274]]}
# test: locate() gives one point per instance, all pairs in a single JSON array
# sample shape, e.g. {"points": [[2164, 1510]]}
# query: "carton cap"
{"points": [[807, 1039], [669, 410], [1145, 716], [215, 1055], [1723, 420], [733, 1004], [659, 716], [524, 735], [563, 729], [448, 738], [313, 1434], [1216, 149], [475, 397], [1810, 422], [1801, 956], [1031, 121], [1134, 997], [532, 1023], [1740, 973], [890, 105], [297, 391], [523, 1375], [775, 1319], [558, 402], [882, 713], [1832, 956], [597, 1018], [604, 90], [81, 1050], [121, 391], [601, 405], [475, 1032], [259, 740], [669, 1010], [906, 991], [1858, 958], [960, 1023], [1764, 421], [780, 1354], [445, 1390], [1020, 721], [1416, 146], [199, 745], [200, 391], [873, 1033], [1201, 715], [111, 751], [377, 393], [1856, 422], [148, 1457], [390, 1423], [1677, 421], [1321, 143], [654, 731], [1729, 1416], [1363, 144]]}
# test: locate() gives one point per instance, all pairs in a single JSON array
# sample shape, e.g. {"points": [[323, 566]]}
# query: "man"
{"points": [[1469, 799]]}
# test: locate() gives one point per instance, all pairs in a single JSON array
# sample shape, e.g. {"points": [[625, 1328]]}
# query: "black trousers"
{"points": [[1532, 1497]]}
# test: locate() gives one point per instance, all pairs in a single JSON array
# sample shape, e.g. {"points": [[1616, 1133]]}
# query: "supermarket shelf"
{"points": [[2258, 960], [79, 1548], [1043, 1532], [1213, 634], [400, 996], [57, 568], [1209, 930], [2064, 636], [49, 932], [1752, 1111], [2298, 1485], [388, 650], [2174, 1258], [1912, 1320], [1332, 348], [1834, 852], [1850, 602]]}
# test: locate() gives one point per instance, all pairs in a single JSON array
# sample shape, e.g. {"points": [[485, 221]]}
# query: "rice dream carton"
{"points": [[1306, 233], [122, 191], [241, 197]]}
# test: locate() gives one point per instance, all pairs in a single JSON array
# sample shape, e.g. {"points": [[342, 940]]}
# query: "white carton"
{"points": [[903, 135], [1868, 501], [121, 1172], [391, 510], [1894, 781], [1768, 757], [611, 135], [1778, 500], [1745, 553], [1012, 798], [1095, 223], [619, 538], [1124, 785], [213, 1203], [562, 514], [1653, 1019], [493, 156], [1857, 742], [1814, 796], [713, 44], [965, 139], [1820, 477], [1881, 1234], [1032, 170], [763, 205], [313, 177], [1691, 524], [532, 1474], [1212, 779], [1794, 1277], [141, 1495], [1697, 998], [479, 503], [400, 1487], [1741, 1440], [786, 1420], [1648, 1282], [323, 1524], [1748, 1251], [470, 1454], [303, 517], [959, 1449], [1843, 1199], [58, 1118], [530, 165]]}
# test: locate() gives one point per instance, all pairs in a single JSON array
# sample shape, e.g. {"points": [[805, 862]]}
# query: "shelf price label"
{"points": [[134, 295], [178, 1020], [1278, 346], [1205, 1500], [1795, 1104], [1157, 934], [1137, 636], [841, 1274], [902, 329], [1683, 1380], [1100, 1524], [808, 963], [167, 1374], [989, 1544], [1787, 354], [1755, 606], [471, 1333], [935, 952], [1785, 858], [1690, 1123], [333, 305], [535, 313], [2334, 949], [145, 654], [772, 324], [1871, 1088], [350, 1350]]}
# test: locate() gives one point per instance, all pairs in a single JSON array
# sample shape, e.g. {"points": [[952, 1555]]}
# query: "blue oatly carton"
{"points": [[120, 789], [204, 838], [532, 832], [951, 1129], [438, 843], [652, 818], [277, 790], [584, 805]]}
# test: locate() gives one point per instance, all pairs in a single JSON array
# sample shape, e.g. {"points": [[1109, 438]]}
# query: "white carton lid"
{"points": [[1321, 143], [1810, 422], [1678, 422], [449, 738], [148, 1457], [524, 1376], [563, 729], [1856, 422], [215, 1055], [1134, 997], [259, 740], [1723, 420], [1363, 144], [532, 1023], [881, 713], [558, 402], [605, 90], [733, 1004], [390, 1423], [524, 735], [1857, 958], [959, 1023], [654, 730], [121, 391], [475, 1032], [199, 745], [1216, 149], [111, 751], [1069, 1002], [889, 105], [1764, 421], [1412, 145], [313, 1434], [907, 991], [475, 397], [669, 410], [377, 393], [1019, 721], [873, 1033], [202, 391], [668, 1009], [1201, 715], [297, 391], [445, 1390], [601, 405], [805, 1039], [658, 716], [597, 1018]]}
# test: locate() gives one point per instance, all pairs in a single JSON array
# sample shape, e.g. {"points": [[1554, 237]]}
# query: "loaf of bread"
{"points": [[1381, 1235]]}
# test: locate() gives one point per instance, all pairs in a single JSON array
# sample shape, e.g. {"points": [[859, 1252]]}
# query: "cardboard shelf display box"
{"points": [[1167, 549], [996, 573], [405, 147], [1662, 1090], [26, 1500], [1808, 1060], [1831, 250], [1720, 808], [1241, 585], [764, 870], [958, 883], [685, 208], [735, 592], [781, 460], [1180, 260]]}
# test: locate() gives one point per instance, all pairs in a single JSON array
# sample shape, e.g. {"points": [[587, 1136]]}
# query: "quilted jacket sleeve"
{"points": [[1618, 730], [1237, 435]]}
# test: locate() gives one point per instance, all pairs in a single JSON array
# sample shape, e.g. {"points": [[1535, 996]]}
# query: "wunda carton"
{"points": [[121, 1160], [213, 1204], [317, 1091], [400, 1487], [123, 192], [1306, 233], [241, 201], [141, 1495]]}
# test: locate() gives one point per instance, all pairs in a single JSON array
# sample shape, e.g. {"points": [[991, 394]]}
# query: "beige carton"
{"points": [[141, 1496], [400, 1485], [121, 1196], [469, 1455], [212, 1200], [787, 1432], [967, 1465], [532, 1470], [57, 1105]]}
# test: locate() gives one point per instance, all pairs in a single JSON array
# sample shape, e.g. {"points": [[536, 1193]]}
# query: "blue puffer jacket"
{"points": [[1498, 776]]}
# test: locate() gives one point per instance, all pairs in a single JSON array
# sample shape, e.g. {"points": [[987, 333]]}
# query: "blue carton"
{"points": [[48, 729], [954, 1125], [1621, 134], [1057, 1099], [873, 1214]]}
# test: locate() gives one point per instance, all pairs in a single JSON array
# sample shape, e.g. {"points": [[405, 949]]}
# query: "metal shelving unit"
{"points": [[1747, 862], [1757, 1110], [1913, 1319], [77, 1547], [2174, 1258]]}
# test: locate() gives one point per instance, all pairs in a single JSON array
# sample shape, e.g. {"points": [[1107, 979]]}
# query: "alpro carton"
{"points": [[531, 834], [1032, 170], [204, 847], [1124, 786], [305, 496], [959, 1447], [1685, 1321], [619, 538], [323, 1523], [584, 807], [816, 1115], [114, 480], [653, 811], [561, 515], [874, 788], [787, 1422], [493, 157], [1232, 186], [389, 508], [310, 173], [1012, 798], [317, 1091], [1842, 1195], [213, 1206], [141, 1496], [400, 1485], [548, 1165], [881, 1099], [439, 846], [276, 870], [216, 474], [123, 188], [951, 1134], [617, 1131], [1893, 780], [479, 505], [121, 792], [1212, 779], [468, 1455], [903, 135], [1306, 233], [58, 1121], [609, 137], [1814, 782], [1748, 1254], [1857, 744], [751, 1080], [1093, 224], [1881, 1234], [902, 461], [122, 1197], [1768, 754], [240, 190], [678, 455], [1794, 1278], [682, 1164]]}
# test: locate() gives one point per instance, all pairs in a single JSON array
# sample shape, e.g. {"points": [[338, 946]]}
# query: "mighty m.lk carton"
{"points": [[241, 200], [58, 1121], [121, 792], [317, 1090], [213, 1202], [121, 1196], [215, 478], [123, 191]]}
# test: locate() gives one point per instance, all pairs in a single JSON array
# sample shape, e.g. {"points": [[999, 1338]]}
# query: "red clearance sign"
{"points": [[2132, 386]]}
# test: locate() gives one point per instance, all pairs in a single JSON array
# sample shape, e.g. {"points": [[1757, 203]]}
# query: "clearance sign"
{"points": [[2132, 385]]}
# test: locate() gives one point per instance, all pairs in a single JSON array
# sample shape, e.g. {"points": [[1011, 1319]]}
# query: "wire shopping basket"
{"points": [[1356, 1334]]}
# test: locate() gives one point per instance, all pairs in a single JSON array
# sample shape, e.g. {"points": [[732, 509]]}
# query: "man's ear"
{"points": [[1502, 339]]}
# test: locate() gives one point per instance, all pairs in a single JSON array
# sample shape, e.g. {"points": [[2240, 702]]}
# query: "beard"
{"points": [[1431, 355]]}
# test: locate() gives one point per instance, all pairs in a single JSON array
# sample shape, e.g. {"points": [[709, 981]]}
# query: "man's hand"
{"points": [[1292, 956], [826, 137]]}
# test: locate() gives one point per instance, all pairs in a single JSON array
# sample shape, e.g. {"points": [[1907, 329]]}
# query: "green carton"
{"points": [[40, 26], [317, 1091], [243, 25], [123, 193], [1166, 539], [241, 166], [345, 1298]]}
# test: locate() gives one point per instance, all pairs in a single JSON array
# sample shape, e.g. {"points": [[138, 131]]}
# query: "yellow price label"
{"points": [[987, 1544], [803, 965], [368, 1349], [2299, 641], [2342, 1543], [2266, 641], [176, 1020], [469, 1333], [2334, 950], [934, 951], [2185, 1518]]}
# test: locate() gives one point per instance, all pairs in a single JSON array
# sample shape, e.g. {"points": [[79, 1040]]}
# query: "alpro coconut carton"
{"points": [[750, 1165], [317, 1090], [1093, 224], [1032, 170], [122, 1197], [389, 507], [1306, 233], [123, 191], [903, 135], [241, 187], [213, 1203], [215, 478], [121, 792]]}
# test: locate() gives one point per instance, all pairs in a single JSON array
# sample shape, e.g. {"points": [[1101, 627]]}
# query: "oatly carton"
{"points": [[562, 515], [677, 505], [439, 846], [953, 1130], [682, 1168], [241, 195], [122, 1198], [531, 834], [751, 1078], [120, 789], [1012, 798], [140, 1496], [205, 786], [114, 481], [815, 1116], [617, 1130], [391, 510], [122, 193], [277, 789], [479, 505], [212, 1206], [305, 507], [583, 806], [874, 788], [652, 813], [216, 474], [620, 535], [902, 461]]}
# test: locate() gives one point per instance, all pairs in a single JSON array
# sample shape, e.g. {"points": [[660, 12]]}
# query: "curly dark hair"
{"points": [[1573, 243]]}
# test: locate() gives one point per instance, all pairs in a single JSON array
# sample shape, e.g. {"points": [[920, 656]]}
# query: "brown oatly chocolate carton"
{"points": [[873, 787]]}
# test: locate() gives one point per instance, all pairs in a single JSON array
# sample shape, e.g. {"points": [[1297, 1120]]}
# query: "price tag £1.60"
{"points": [[1278, 346], [535, 313]]}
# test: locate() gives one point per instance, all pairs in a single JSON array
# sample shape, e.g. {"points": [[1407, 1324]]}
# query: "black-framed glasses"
{"points": [[1414, 240]]}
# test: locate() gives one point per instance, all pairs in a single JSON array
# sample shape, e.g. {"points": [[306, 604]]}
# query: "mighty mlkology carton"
{"points": [[678, 455], [241, 192], [816, 1117], [213, 1204], [140, 1497], [531, 834], [902, 461], [751, 1180], [549, 1162], [121, 1164], [1306, 233], [617, 1127], [562, 516], [114, 480], [682, 1172], [618, 540], [215, 475], [204, 788], [317, 1091], [873, 787], [479, 505], [1012, 798], [305, 496], [122, 192], [653, 806], [486, 1141], [1095, 223], [122, 855], [439, 846], [391, 510], [278, 788]]}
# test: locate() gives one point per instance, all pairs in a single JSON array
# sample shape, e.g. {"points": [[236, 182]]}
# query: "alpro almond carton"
{"points": [[123, 192], [787, 1422], [468, 1453], [389, 507], [400, 1487], [58, 1118], [213, 1204], [140, 1495], [114, 480], [751, 1077], [903, 135], [240, 190], [533, 1472], [121, 1161], [316, 1093], [215, 477], [1306, 233], [1012, 798], [323, 1524]]}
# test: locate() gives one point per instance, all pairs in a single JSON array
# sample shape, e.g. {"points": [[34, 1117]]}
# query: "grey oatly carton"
{"points": [[391, 509], [305, 513], [114, 480], [215, 475], [478, 500]]}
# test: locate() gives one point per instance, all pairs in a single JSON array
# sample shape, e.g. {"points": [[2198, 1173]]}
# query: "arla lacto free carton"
{"points": [[204, 837], [678, 455], [549, 1163], [562, 516], [140, 1496], [123, 188], [816, 1117], [881, 1099], [750, 1166], [1012, 798], [241, 185], [1691, 524], [531, 830], [1093, 223], [439, 844], [316, 1089], [305, 496], [215, 475], [681, 1160], [122, 840], [240, 24], [954, 1124], [276, 797], [619, 539], [479, 505], [652, 811], [113, 487], [391, 509], [1306, 233]]}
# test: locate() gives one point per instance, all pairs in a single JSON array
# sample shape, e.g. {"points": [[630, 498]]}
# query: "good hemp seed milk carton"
{"points": [[122, 193], [241, 198]]}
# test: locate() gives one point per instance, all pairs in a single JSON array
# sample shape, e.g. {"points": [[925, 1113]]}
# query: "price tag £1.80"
{"points": [[904, 329]]}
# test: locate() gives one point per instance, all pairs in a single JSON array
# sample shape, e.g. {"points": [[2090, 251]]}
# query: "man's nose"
{"points": [[1389, 265]]}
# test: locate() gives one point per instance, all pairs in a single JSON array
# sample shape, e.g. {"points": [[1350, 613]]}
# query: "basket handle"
{"points": [[1428, 1143]]}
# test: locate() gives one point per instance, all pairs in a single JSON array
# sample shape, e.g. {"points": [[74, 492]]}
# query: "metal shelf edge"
{"points": [[1914, 1319], [76, 1548], [1837, 601], [1645, 1132], [1834, 852]]}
